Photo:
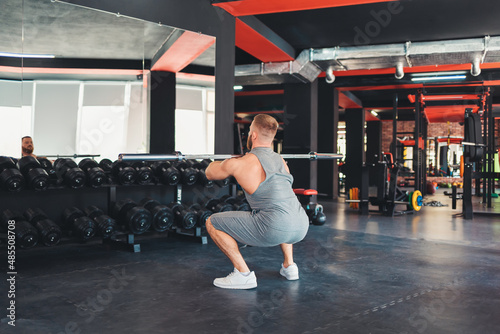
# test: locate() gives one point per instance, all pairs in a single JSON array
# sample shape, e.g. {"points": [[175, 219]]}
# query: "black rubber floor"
{"points": [[423, 273]]}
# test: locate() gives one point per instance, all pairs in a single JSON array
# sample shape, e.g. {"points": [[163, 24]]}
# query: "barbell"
{"points": [[179, 156]]}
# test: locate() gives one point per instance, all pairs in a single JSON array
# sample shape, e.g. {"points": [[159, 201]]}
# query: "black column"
{"points": [[224, 91], [162, 113], [328, 118], [301, 131], [355, 147], [373, 141]]}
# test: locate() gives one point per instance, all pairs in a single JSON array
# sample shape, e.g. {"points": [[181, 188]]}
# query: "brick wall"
{"points": [[434, 130]]}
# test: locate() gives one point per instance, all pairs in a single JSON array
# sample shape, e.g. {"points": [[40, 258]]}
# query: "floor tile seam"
{"points": [[396, 301]]}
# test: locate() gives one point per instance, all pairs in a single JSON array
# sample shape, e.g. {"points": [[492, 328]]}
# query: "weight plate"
{"points": [[416, 200]]}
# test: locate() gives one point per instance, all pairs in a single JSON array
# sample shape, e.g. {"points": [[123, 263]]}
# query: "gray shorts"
{"points": [[262, 229]]}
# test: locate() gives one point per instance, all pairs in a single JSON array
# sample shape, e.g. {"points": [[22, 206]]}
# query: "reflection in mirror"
{"points": [[195, 106], [92, 97], [14, 105]]}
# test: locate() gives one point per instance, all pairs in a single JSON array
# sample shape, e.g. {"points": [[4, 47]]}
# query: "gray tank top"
{"points": [[275, 192]]}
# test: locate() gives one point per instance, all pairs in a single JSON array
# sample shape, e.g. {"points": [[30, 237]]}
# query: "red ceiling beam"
{"points": [[256, 7], [185, 49], [253, 42], [348, 103]]}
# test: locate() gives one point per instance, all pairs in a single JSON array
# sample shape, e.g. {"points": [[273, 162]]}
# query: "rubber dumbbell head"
{"points": [[50, 233], [242, 206], [45, 164], [73, 176], [167, 174], [183, 217], [7, 216], [81, 226], [215, 205], [225, 182], [202, 179], [26, 234], [36, 177], [84, 228], [106, 225], [106, 165], [202, 214], [95, 174], [136, 218], [163, 217], [189, 175], [125, 174], [11, 178], [145, 174]]}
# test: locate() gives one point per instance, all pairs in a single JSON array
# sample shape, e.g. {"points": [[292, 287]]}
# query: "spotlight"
{"points": [[475, 68], [330, 77], [399, 72]]}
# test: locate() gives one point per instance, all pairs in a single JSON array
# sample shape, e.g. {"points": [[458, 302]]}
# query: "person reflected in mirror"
{"points": [[27, 146]]}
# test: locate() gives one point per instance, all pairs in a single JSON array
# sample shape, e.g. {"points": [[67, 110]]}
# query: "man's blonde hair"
{"points": [[266, 125]]}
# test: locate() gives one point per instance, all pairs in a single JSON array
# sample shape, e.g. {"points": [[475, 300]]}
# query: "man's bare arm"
{"points": [[219, 170]]}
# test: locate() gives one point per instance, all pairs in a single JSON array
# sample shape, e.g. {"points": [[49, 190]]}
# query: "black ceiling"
{"points": [[414, 20]]}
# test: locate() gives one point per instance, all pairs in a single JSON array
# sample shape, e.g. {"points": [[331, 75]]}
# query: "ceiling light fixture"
{"points": [[24, 55], [427, 74], [440, 78], [237, 87], [374, 113]]}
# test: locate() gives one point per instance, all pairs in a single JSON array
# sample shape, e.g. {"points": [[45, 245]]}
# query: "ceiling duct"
{"points": [[312, 62]]}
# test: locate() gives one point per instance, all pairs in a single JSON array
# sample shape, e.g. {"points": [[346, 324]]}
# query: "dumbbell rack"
{"points": [[54, 198]]}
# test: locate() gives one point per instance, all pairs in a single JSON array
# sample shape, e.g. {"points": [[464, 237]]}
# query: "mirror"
{"points": [[82, 85], [16, 119]]}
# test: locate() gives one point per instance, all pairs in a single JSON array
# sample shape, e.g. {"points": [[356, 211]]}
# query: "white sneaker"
{"points": [[237, 280], [291, 273]]}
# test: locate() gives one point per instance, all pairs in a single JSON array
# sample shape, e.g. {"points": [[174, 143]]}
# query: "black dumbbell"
{"points": [[202, 179], [50, 233], [123, 173], [145, 174], [225, 182], [106, 165], [11, 178], [202, 214], [184, 218], [202, 165], [54, 178], [216, 205], [106, 225], [166, 173], [189, 175], [242, 205], [81, 226], [239, 204], [137, 218], [73, 176], [26, 234], [163, 217], [36, 177], [95, 174]]}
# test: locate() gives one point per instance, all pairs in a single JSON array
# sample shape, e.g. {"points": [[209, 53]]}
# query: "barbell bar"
{"points": [[179, 156]]}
